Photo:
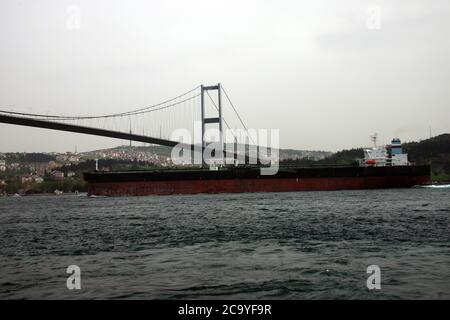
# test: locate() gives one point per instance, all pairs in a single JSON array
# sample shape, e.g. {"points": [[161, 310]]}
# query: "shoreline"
{"points": [[43, 194]]}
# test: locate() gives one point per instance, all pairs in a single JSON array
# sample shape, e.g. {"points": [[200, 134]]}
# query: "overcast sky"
{"points": [[326, 73]]}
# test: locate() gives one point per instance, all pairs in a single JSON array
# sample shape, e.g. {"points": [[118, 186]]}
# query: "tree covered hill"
{"points": [[435, 151]]}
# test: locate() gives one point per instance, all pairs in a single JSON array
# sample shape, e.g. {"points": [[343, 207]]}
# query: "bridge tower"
{"points": [[211, 120]]}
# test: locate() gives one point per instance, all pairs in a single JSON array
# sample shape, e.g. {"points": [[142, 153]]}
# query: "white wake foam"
{"points": [[440, 186]]}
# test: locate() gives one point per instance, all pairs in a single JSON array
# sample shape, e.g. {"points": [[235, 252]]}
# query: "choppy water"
{"points": [[263, 245]]}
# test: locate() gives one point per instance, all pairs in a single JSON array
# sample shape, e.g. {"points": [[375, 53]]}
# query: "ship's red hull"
{"points": [[158, 187]]}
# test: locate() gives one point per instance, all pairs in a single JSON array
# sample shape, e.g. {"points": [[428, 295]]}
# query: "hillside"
{"points": [[166, 152], [344, 157], [435, 151]]}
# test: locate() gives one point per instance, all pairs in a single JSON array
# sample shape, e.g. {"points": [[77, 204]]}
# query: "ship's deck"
{"points": [[255, 173]]}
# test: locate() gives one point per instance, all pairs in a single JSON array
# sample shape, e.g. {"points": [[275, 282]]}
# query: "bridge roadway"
{"points": [[29, 122]]}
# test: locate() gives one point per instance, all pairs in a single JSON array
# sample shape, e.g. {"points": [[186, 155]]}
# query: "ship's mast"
{"points": [[374, 139]]}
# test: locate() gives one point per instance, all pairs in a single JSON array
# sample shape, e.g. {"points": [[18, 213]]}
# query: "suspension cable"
{"points": [[133, 112], [237, 113], [226, 123]]}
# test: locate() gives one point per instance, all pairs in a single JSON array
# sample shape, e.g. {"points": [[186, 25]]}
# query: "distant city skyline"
{"points": [[326, 74]]}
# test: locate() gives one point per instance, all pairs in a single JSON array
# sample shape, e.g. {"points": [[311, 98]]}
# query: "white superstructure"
{"points": [[390, 155]]}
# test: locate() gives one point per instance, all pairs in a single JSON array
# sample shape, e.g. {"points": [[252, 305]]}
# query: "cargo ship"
{"points": [[381, 167]]}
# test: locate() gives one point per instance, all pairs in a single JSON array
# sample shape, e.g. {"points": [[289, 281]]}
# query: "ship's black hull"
{"points": [[250, 180]]}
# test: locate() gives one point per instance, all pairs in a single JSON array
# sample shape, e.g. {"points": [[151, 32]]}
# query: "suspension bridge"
{"points": [[153, 124]]}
